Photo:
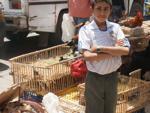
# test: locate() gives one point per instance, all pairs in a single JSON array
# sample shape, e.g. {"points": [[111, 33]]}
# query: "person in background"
{"points": [[136, 7], [81, 11], [118, 10], [102, 44], [119, 3], [2, 31]]}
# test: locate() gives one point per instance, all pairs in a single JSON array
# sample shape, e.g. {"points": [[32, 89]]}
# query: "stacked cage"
{"points": [[136, 36], [132, 94], [42, 71]]}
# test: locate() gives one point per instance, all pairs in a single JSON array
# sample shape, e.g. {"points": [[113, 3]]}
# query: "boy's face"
{"points": [[101, 11]]}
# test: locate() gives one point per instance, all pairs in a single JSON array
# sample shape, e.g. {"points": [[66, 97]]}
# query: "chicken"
{"points": [[134, 21]]}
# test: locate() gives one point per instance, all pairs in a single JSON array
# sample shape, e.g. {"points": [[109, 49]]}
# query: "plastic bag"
{"points": [[51, 103], [68, 28], [78, 68]]}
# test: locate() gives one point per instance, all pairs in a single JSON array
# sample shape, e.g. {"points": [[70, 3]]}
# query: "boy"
{"points": [[102, 43]]}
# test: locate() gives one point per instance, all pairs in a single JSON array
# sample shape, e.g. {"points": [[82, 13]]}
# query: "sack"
{"points": [[78, 68]]}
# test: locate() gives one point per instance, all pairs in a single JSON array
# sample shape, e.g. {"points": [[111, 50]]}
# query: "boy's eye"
{"points": [[102, 9], [106, 9], [99, 8]]}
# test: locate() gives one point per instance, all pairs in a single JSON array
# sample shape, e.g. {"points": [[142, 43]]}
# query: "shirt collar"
{"points": [[93, 25]]}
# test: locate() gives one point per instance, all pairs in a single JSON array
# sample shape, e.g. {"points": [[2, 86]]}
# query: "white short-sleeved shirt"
{"points": [[90, 35]]}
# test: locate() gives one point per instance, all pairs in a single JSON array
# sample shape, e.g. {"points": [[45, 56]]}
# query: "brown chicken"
{"points": [[134, 21]]}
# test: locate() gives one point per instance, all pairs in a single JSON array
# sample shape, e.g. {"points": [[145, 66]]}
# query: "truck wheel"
{"points": [[16, 36], [58, 27]]}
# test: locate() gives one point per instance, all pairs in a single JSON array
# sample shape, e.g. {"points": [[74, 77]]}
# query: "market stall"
{"points": [[49, 70]]}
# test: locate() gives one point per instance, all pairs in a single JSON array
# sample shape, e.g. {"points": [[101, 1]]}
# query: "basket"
{"points": [[137, 35], [132, 94], [138, 43], [71, 107], [41, 71]]}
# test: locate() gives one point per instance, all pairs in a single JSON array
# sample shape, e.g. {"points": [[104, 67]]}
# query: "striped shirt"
{"points": [[90, 35]]}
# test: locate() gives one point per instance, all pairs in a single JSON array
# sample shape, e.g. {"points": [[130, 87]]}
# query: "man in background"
{"points": [[118, 10], [81, 11]]}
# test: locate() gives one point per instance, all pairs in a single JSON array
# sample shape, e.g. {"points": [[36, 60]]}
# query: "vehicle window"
{"points": [[15, 4]]}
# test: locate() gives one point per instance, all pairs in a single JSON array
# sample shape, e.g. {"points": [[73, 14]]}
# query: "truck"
{"points": [[41, 16]]}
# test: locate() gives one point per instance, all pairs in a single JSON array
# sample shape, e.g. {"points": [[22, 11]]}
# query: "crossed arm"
{"points": [[106, 53]]}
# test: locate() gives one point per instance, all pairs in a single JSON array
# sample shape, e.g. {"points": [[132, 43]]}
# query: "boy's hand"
{"points": [[96, 49], [119, 42], [93, 49]]}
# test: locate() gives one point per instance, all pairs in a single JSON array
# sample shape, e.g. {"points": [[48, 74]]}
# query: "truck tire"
{"points": [[58, 26], [16, 36]]}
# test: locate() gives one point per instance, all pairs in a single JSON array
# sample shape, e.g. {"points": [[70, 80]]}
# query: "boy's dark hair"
{"points": [[96, 1]]}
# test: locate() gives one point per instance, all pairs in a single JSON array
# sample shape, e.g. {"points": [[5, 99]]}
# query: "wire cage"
{"points": [[132, 94], [71, 107], [42, 71]]}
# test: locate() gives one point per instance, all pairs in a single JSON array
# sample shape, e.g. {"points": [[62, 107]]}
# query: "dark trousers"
{"points": [[101, 93]]}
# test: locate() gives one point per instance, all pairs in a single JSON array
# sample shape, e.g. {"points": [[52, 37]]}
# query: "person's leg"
{"points": [[94, 93], [111, 82]]}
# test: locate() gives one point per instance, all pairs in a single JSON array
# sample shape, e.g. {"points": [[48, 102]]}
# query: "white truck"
{"points": [[42, 16]]}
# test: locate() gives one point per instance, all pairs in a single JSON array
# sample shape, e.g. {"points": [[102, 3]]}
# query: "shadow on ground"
{"points": [[26, 45], [3, 67]]}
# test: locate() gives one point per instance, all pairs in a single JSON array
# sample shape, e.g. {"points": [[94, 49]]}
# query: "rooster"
{"points": [[134, 21]]}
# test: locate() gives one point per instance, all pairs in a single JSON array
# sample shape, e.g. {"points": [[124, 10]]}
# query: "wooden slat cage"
{"points": [[46, 76], [132, 94]]}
